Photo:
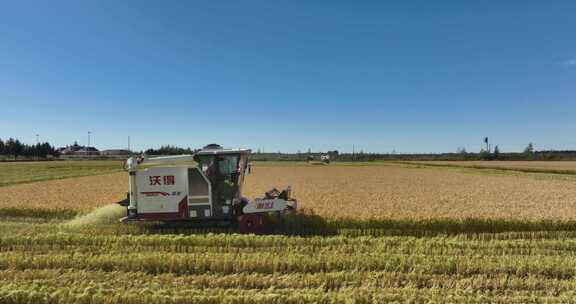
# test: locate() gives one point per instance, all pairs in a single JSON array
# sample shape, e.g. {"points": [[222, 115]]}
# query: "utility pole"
{"points": [[37, 147], [129, 143], [88, 139]]}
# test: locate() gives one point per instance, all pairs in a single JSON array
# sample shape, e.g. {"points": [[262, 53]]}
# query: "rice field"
{"points": [[48, 263], [395, 191], [374, 191], [382, 233]]}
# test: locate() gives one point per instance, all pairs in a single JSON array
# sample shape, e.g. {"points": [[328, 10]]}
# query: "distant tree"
{"points": [[529, 150], [13, 147], [334, 153], [39, 150], [169, 150], [461, 150], [18, 148], [484, 155], [26, 150], [549, 155], [45, 149], [496, 153], [8, 146]]}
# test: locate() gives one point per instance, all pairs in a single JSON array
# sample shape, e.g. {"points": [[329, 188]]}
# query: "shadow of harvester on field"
{"points": [[306, 223], [105, 220], [300, 223], [303, 222]]}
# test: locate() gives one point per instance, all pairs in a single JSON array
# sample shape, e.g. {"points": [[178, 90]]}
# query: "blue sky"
{"points": [[409, 76]]}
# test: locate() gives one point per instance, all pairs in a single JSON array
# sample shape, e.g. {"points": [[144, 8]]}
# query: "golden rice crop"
{"points": [[404, 192], [46, 262], [82, 267], [384, 191], [83, 193]]}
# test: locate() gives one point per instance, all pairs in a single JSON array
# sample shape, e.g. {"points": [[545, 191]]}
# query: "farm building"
{"points": [[114, 152], [77, 149]]}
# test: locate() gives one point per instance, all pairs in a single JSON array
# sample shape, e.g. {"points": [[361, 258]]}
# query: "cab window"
{"points": [[228, 164]]}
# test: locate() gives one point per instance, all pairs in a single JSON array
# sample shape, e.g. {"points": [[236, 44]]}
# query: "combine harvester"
{"points": [[208, 192]]}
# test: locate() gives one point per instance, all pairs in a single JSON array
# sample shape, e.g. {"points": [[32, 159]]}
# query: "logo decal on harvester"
{"points": [[160, 193], [156, 180], [264, 204], [155, 193]]}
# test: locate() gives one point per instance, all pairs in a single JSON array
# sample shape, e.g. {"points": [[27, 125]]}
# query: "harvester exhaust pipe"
{"points": [[132, 164]]}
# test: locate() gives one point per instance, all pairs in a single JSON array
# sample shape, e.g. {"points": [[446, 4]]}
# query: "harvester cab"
{"points": [[209, 191]]}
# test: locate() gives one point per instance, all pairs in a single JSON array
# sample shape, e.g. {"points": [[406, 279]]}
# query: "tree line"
{"points": [[529, 153], [169, 150], [15, 148]]}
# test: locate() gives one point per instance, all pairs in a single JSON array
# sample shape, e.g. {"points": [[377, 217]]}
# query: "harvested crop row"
{"points": [[53, 263], [326, 280], [218, 244], [33, 293], [559, 267], [236, 275]]}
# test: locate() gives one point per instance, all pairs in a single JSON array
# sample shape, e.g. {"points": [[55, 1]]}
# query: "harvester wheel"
{"points": [[251, 223]]}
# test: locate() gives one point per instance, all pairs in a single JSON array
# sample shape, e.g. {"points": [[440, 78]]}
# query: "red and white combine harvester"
{"points": [[209, 191]]}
